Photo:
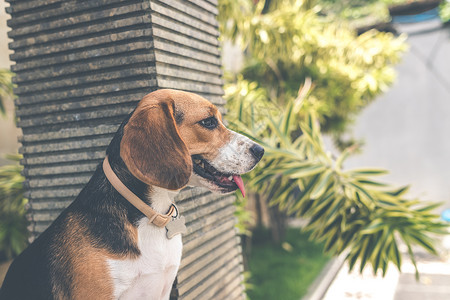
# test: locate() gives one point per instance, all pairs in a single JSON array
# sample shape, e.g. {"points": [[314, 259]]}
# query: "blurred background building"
{"points": [[407, 129]]}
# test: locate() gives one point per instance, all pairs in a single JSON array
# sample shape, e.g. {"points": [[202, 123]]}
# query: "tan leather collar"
{"points": [[154, 217]]}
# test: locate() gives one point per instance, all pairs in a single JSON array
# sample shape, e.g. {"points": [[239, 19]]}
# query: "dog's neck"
{"points": [[161, 199], [138, 187]]}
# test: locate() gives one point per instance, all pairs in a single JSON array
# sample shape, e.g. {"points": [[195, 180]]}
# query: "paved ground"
{"points": [[434, 283], [3, 269]]}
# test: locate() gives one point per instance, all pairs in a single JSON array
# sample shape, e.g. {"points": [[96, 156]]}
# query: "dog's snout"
{"points": [[257, 151]]}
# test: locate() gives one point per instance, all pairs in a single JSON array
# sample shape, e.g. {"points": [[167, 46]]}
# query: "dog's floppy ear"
{"points": [[152, 148]]}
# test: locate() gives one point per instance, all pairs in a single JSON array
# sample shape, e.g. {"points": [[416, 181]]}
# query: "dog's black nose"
{"points": [[257, 151]]}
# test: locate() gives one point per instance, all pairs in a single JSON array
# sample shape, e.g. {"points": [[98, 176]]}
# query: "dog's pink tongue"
{"points": [[240, 183]]}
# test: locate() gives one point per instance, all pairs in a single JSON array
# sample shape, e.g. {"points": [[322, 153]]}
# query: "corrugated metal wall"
{"points": [[81, 67]]}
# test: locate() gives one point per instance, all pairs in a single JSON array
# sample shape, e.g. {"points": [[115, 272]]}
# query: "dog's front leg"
{"points": [[148, 287], [170, 275]]}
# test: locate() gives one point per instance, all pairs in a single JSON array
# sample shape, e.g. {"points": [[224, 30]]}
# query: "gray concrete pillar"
{"points": [[81, 67]]}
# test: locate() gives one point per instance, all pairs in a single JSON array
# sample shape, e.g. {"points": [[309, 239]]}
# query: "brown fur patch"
{"points": [[194, 108], [152, 148], [85, 265]]}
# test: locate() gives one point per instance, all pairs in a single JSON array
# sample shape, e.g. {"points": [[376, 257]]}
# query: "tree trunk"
{"points": [[278, 221], [258, 211]]}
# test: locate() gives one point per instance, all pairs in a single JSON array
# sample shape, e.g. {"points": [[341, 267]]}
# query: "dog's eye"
{"points": [[209, 123]]}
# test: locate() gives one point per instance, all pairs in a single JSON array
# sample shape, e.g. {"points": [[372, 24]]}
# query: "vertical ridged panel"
{"points": [[81, 67]]}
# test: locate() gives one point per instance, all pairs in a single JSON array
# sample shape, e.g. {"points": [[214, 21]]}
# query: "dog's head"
{"points": [[176, 137]]}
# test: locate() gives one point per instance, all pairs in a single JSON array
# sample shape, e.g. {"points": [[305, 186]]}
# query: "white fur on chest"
{"points": [[151, 275]]}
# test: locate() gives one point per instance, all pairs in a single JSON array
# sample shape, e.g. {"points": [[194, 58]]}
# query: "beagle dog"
{"points": [[104, 245]]}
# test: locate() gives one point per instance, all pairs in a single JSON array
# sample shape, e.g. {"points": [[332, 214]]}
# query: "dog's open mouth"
{"points": [[227, 182]]}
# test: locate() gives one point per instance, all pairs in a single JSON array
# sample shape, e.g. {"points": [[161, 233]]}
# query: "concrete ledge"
{"points": [[320, 286]]}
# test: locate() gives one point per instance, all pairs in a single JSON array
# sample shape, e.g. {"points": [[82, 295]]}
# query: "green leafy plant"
{"points": [[288, 44], [287, 41], [6, 88], [370, 12], [357, 12], [347, 210], [13, 224], [444, 11]]}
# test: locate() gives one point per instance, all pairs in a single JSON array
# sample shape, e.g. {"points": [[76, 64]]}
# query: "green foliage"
{"points": [[287, 43], [347, 209], [243, 215], [283, 272], [13, 224], [358, 12], [6, 88], [362, 11], [365, 12], [444, 11]]}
